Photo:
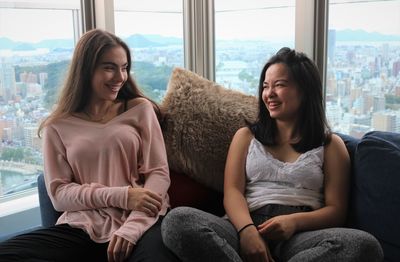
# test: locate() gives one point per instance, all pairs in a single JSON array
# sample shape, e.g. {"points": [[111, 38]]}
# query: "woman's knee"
{"points": [[360, 245], [179, 224], [368, 246], [178, 218]]}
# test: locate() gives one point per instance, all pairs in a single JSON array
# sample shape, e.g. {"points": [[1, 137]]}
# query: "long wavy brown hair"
{"points": [[77, 89]]}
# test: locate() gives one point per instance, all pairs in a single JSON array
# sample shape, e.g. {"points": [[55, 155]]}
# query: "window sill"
{"points": [[18, 203], [19, 213]]}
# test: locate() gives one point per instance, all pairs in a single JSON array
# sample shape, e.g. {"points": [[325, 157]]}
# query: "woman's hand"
{"points": [[144, 200], [278, 228], [119, 249], [252, 246]]}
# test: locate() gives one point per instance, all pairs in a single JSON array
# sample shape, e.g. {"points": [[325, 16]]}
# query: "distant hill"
{"points": [[165, 40], [136, 40], [6, 43], [56, 43], [139, 40], [361, 35], [24, 47]]}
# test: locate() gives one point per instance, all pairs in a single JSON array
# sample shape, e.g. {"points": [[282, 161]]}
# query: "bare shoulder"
{"points": [[336, 147], [242, 137], [244, 132], [137, 101], [336, 141]]}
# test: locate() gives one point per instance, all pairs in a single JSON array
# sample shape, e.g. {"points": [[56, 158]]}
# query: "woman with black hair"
{"points": [[286, 183]]}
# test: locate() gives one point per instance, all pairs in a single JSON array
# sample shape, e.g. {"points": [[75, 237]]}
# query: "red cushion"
{"points": [[184, 191]]}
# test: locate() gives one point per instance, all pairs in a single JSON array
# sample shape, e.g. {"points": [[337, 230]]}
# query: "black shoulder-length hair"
{"points": [[311, 127]]}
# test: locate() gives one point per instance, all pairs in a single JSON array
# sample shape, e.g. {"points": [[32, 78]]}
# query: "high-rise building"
{"points": [[7, 80], [28, 77], [6, 135], [30, 133], [385, 121], [396, 68], [331, 44], [397, 90], [379, 103], [43, 78]]}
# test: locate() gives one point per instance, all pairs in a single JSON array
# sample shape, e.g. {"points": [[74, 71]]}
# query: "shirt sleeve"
{"points": [[153, 166], [64, 192]]}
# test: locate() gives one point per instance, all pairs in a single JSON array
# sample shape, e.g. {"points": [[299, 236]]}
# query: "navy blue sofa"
{"points": [[374, 201]]}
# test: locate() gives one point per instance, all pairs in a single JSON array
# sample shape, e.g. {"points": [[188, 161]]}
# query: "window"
{"points": [[36, 44], [363, 69], [154, 31], [247, 34]]}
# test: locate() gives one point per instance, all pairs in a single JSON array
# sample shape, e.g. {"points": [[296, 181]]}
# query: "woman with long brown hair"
{"points": [[105, 165]]}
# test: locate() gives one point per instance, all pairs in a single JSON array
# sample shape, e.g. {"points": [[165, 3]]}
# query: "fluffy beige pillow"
{"points": [[201, 118]]}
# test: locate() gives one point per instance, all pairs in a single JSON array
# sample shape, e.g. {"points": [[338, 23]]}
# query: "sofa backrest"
{"points": [[375, 190]]}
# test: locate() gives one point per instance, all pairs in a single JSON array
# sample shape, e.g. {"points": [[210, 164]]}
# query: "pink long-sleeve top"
{"points": [[90, 166]]}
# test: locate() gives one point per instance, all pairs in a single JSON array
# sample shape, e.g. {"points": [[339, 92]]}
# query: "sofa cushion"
{"points": [[375, 202], [201, 118]]}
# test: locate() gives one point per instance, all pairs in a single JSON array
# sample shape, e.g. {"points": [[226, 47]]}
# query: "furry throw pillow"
{"points": [[201, 118]]}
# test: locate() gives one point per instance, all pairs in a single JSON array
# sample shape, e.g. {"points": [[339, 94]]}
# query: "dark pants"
{"points": [[64, 243]]}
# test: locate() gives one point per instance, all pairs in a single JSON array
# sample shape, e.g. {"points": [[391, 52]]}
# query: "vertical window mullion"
{"points": [[320, 38], [88, 17], [189, 41], [199, 37], [77, 25], [104, 15], [304, 26], [209, 39]]}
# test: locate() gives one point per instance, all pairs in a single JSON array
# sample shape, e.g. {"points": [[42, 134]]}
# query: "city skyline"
{"points": [[36, 26]]}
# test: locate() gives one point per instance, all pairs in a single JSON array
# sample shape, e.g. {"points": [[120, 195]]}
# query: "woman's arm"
{"points": [[235, 179], [252, 245], [336, 170], [153, 165], [64, 192]]}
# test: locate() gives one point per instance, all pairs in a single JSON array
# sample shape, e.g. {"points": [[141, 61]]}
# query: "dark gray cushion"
{"points": [[375, 202], [48, 213]]}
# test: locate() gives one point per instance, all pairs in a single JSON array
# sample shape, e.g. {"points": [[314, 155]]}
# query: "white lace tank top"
{"points": [[271, 181]]}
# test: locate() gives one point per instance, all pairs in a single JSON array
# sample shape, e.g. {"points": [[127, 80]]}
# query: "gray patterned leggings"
{"points": [[194, 235]]}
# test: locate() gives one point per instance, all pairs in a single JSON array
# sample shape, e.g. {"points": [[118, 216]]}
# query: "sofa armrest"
{"points": [[375, 198], [48, 214]]}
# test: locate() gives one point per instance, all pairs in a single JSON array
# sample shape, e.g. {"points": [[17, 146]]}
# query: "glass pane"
{"points": [[36, 45], [363, 71], [153, 29], [247, 34]]}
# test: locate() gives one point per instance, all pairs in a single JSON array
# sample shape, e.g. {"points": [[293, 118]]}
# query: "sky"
{"points": [[35, 25], [382, 17]]}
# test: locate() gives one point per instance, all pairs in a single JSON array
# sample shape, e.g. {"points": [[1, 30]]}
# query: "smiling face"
{"points": [[280, 94], [110, 74]]}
